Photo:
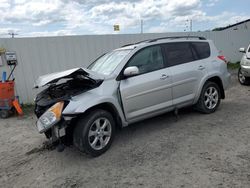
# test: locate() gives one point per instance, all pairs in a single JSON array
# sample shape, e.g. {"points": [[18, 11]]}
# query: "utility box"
{"points": [[11, 58]]}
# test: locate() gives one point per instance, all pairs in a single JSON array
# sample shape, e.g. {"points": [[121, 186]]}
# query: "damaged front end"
{"points": [[50, 103]]}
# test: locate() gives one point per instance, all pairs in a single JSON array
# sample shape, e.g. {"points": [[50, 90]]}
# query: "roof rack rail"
{"points": [[136, 43], [128, 45], [177, 37], [173, 37]]}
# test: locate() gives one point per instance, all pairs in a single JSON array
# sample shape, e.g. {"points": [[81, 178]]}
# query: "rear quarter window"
{"points": [[202, 49]]}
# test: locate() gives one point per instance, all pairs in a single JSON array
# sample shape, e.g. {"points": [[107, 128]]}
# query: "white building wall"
{"points": [[38, 56]]}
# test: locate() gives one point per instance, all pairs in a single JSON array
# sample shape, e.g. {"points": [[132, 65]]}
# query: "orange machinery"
{"points": [[8, 100]]}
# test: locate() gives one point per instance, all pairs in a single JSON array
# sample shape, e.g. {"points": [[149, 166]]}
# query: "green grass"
{"points": [[28, 108], [233, 65]]}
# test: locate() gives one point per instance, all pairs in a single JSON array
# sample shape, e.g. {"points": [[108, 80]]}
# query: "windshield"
{"points": [[107, 63]]}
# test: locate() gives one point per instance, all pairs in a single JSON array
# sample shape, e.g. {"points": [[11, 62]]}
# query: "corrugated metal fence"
{"points": [[38, 56]]}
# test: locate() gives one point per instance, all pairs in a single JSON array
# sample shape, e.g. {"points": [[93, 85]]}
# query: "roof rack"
{"points": [[177, 37], [128, 45], [136, 43], [173, 37]]}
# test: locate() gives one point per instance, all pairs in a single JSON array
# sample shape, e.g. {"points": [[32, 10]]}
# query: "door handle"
{"points": [[164, 76], [201, 67]]}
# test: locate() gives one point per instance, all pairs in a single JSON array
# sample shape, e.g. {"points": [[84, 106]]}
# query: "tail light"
{"points": [[223, 58]]}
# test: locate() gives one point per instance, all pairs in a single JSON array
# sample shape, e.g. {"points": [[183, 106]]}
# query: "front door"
{"points": [[150, 91]]}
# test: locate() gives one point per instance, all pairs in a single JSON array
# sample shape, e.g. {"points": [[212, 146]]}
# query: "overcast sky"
{"points": [[70, 17]]}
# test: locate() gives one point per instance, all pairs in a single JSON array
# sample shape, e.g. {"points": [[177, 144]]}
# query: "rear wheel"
{"points": [[242, 79], [94, 132], [209, 98]]}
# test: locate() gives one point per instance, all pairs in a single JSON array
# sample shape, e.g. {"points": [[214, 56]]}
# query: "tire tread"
{"points": [[200, 106], [82, 127]]}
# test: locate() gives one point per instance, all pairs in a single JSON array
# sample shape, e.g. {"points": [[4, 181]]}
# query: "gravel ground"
{"points": [[196, 150]]}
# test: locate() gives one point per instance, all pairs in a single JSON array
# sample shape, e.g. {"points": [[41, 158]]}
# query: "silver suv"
{"points": [[129, 84], [244, 70]]}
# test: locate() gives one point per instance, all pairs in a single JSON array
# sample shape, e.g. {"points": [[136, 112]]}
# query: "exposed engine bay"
{"points": [[61, 92], [62, 89]]}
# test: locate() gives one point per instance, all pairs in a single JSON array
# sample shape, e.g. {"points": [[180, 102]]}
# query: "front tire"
{"points": [[94, 132], [209, 98], [242, 79]]}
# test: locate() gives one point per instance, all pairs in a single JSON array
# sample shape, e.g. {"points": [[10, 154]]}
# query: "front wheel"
{"points": [[209, 98], [242, 79], [94, 132]]}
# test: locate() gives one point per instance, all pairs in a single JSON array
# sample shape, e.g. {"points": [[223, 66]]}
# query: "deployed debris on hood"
{"points": [[63, 85], [78, 73]]}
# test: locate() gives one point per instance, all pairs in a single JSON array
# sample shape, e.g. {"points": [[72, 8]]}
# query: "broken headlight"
{"points": [[50, 117]]}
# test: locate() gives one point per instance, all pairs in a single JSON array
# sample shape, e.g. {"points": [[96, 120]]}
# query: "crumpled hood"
{"points": [[55, 77]]}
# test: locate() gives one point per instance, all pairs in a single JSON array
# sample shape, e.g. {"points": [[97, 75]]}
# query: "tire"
{"points": [[88, 132], [242, 79], [209, 99], [4, 114]]}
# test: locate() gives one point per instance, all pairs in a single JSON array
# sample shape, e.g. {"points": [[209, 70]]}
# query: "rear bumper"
{"points": [[245, 70]]}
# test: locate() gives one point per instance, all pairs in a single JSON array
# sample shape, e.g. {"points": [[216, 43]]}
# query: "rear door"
{"points": [[149, 92], [187, 70]]}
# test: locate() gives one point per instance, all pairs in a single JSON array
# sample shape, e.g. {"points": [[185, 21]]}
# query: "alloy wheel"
{"points": [[99, 133], [211, 97], [242, 78]]}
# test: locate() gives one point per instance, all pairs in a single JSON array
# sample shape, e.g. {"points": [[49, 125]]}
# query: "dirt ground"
{"points": [[195, 151]]}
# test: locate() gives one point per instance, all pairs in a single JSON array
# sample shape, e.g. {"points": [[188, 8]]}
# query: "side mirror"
{"points": [[242, 50], [131, 71]]}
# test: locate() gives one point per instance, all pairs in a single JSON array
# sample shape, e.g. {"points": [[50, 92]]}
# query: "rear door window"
{"points": [[178, 53]]}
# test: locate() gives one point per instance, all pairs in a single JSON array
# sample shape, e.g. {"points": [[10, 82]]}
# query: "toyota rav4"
{"points": [[84, 106]]}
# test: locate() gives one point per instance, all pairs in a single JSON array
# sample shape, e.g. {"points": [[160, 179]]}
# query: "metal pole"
{"points": [[191, 25], [12, 34], [141, 26]]}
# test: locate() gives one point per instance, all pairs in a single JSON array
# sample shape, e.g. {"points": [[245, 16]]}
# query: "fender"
{"points": [[87, 100], [203, 81]]}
